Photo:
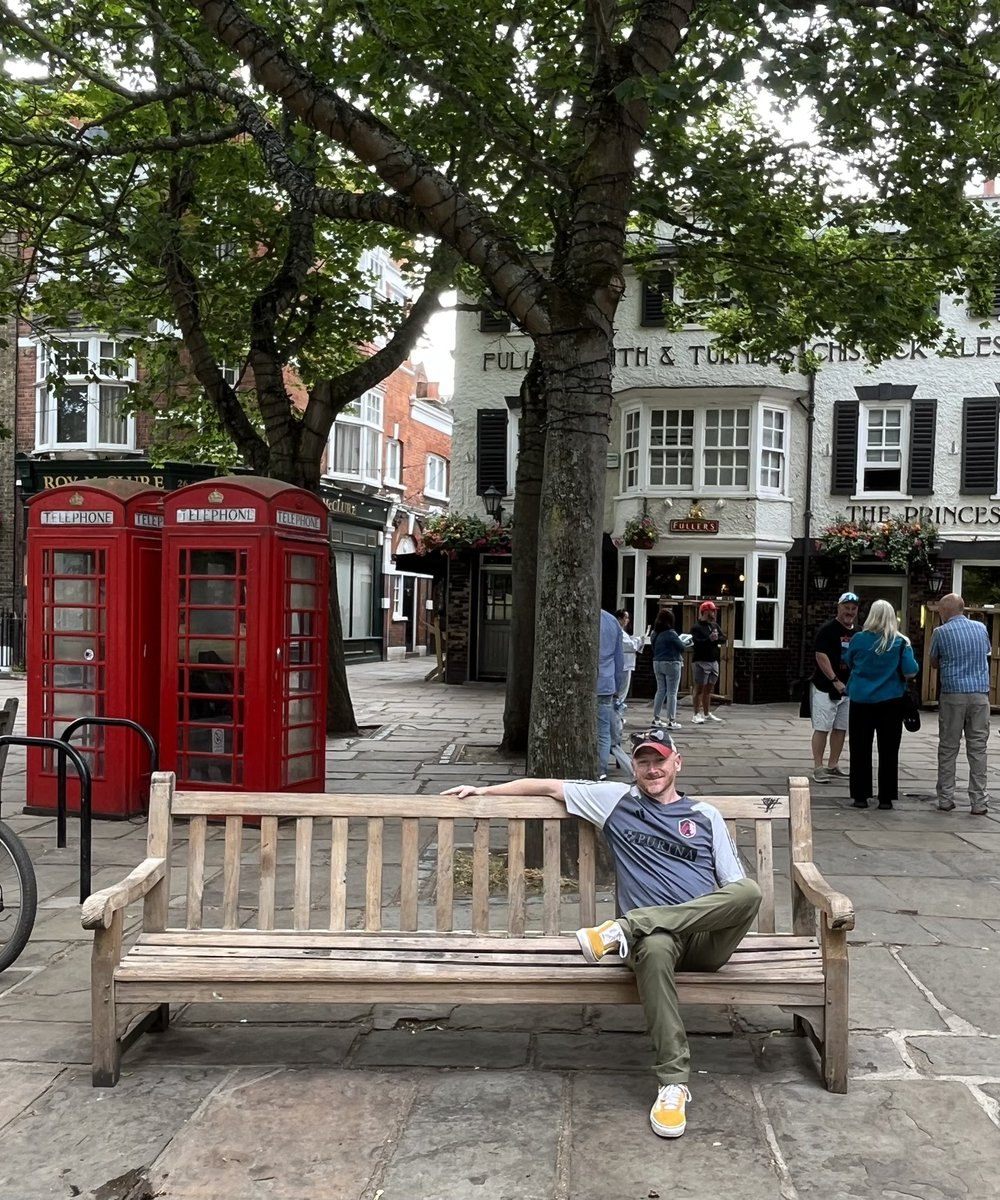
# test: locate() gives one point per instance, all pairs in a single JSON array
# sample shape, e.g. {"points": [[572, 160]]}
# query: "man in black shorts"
{"points": [[707, 639]]}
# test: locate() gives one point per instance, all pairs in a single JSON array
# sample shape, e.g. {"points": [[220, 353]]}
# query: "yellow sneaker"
{"points": [[667, 1115], [604, 939]]}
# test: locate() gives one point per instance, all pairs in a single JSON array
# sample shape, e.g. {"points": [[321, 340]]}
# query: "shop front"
{"points": [[357, 534]]}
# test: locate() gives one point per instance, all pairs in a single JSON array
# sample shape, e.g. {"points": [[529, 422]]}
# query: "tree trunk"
{"points": [[577, 393], [527, 491]]}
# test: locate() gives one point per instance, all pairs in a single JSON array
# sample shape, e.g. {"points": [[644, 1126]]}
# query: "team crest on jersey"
{"points": [[687, 828]]}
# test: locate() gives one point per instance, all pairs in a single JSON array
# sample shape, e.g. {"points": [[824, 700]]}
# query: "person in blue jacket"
{"points": [[667, 650], [881, 663]]}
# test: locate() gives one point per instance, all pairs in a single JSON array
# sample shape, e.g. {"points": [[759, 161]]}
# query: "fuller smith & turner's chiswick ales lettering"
{"points": [[706, 355]]}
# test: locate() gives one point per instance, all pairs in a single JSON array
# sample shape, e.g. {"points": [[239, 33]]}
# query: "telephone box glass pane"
{"points": [[73, 649], [303, 737], [211, 649]]}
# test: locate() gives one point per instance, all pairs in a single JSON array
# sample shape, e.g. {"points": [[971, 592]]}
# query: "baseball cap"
{"points": [[706, 606], [655, 739], [849, 598]]}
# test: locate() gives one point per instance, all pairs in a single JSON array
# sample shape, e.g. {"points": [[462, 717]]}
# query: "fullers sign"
{"points": [[693, 525]]}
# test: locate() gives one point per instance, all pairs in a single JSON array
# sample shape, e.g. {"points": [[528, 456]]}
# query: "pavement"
{"points": [[360, 1102]]}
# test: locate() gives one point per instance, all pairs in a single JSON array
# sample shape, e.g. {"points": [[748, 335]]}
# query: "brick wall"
{"points": [[458, 634]]}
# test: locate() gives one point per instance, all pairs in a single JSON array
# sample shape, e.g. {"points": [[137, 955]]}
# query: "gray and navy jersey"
{"points": [[663, 853]]}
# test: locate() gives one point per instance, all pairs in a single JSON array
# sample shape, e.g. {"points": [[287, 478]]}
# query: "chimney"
{"points": [[990, 187]]}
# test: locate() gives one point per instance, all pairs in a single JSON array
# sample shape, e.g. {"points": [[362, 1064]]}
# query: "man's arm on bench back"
{"points": [[514, 787]]}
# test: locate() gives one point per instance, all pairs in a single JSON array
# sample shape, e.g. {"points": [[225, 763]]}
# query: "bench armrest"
{"points": [[99, 908], [838, 909]]}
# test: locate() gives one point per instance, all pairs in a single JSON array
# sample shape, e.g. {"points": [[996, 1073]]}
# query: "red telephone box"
{"points": [[246, 594], [94, 636]]}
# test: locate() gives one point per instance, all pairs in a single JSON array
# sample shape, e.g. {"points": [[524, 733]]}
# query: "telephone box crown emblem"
{"points": [[76, 500], [215, 496]]}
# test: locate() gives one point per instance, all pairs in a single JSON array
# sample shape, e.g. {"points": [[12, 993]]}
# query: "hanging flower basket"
{"points": [[901, 545], [641, 532], [463, 533]]}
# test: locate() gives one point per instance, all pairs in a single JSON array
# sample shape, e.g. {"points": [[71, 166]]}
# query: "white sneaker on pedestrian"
{"points": [[713, 717], [697, 719], [674, 725]]}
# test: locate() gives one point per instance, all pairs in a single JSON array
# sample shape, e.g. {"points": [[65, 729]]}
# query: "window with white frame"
{"points": [[772, 450], [82, 384], [393, 461], [355, 450], [883, 430], [753, 582], [397, 596], [436, 477], [733, 449]]}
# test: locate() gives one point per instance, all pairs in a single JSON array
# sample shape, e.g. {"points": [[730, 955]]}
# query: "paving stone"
{"points": [[721, 1155], [962, 978], [947, 898], [46, 1042], [244, 1045], [594, 1052], [984, 839], [388, 1016], [493, 1135], [879, 839], [953, 1055], [489, 1050], [323, 1135], [271, 1014], [886, 1138], [527, 1017], [74, 1138], [856, 860], [962, 931], [23, 1083], [889, 929], [883, 996]]}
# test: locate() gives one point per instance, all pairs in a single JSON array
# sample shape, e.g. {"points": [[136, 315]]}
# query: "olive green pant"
{"points": [[699, 935]]}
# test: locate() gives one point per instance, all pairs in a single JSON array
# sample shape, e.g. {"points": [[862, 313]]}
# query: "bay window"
{"points": [[355, 447], [752, 581], [82, 382], [736, 449]]}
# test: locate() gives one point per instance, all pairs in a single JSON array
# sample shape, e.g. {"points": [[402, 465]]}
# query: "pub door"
{"points": [[496, 591]]}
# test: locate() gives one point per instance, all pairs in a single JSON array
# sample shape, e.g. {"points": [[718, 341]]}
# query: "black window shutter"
{"points": [[843, 479], [491, 450], [655, 291], [923, 434], [493, 320], [979, 444]]}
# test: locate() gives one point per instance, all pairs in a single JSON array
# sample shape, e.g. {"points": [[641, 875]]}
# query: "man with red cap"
{"points": [[683, 899], [707, 638]]}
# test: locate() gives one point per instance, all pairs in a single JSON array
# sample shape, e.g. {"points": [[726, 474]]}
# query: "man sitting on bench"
{"points": [[684, 901]]}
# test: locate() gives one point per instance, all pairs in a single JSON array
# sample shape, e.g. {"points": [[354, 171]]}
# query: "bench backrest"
{"points": [[295, 870]]}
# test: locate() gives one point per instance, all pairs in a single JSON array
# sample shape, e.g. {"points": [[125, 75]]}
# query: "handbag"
{"points": [[908, 701]]}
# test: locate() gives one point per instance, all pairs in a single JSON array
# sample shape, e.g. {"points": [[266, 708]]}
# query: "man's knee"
{"points": [[656, 949], [747, 891]]}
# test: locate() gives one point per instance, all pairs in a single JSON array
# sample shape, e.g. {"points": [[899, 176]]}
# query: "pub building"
{"points": [[741, 467]]}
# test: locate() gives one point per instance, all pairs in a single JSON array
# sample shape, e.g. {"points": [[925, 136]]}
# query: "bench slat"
{"points": [[268, 871], [326, 804], [301, 903], [481, 875], [588, 874], [338, 872], [765, 875], [515, 877], [231, 873], [373, 874], [410, 835], [196, 872], [444, 912], [551, 877], [422, 939]]}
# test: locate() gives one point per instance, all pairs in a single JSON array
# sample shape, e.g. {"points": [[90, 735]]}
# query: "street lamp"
{"points": [[819, 577], [493, 500]]}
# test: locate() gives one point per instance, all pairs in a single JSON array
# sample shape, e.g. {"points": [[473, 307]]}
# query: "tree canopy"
{"points": [[543, 147]]}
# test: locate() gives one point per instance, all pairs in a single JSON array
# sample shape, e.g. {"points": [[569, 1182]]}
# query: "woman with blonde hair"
{"points": [[882, 663]]}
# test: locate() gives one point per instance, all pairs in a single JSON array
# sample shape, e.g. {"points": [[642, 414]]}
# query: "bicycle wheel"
{"points": [[18, 896]]}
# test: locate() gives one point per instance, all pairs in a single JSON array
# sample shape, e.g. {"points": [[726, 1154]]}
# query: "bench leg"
{"points": [[104, 1017], [836, 1032]]}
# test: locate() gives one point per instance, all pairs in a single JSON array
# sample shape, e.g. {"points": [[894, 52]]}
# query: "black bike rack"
{"points": [[66, 751], [71, 728]]}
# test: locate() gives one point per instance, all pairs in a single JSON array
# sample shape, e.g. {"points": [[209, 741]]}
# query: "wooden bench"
{"points": [[317, 906]]}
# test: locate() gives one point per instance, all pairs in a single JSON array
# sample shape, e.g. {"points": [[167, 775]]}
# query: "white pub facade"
{"points": [[741, 466]]}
